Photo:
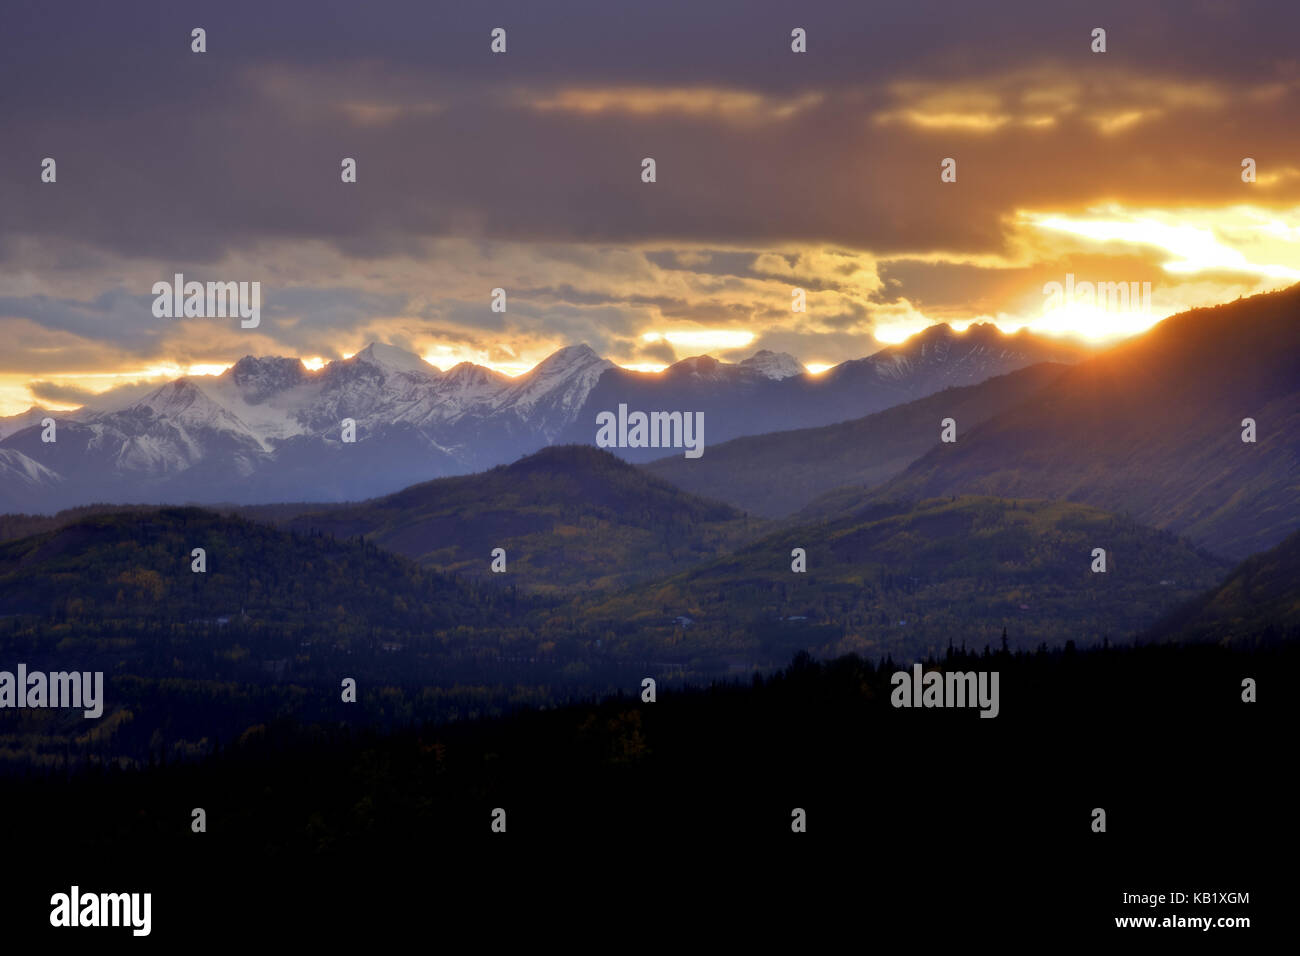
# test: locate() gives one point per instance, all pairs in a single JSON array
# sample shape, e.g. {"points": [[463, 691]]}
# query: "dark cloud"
{"points": [[850, 318], [167, 153], [322, 311], [745, 265], [649, 352], [115, 315], [476, 315], [188, 162], [60, 394]]}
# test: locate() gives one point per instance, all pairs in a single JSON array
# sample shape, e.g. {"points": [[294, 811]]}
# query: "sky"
{"points": [[775, 170]]}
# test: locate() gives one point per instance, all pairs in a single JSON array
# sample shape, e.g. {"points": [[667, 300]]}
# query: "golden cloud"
{"points": [[727, 105]]}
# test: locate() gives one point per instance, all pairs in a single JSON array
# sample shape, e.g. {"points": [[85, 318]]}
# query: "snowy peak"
{"points": [[986, 330], [569, 358], [564, 365], [762, 365], [467, 375], [179, 411], [937, 342], [257, 379], [562, 380], [33, 416], [933, 333], [977, 335], [175, 398], [774, 365], [701, 366], [390, 358]]}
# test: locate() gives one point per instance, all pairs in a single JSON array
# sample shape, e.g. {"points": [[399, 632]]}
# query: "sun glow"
{"points": [[643, 367], [1091, 322], [445, 357], [171, 370], [17, 396], [896, 332], [1195, 241]]}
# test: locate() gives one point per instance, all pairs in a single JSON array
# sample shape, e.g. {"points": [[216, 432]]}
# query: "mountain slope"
{"points": [[905, 579], [741, 400], [1153, 428], [133, 567], [24, 483], [1259, 601], [569, 517], [776, 474], [16, 423], [270, 629]]}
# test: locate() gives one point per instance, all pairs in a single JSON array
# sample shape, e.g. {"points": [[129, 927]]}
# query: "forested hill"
{"points": [[139, 567], [906, 577], [1259, 601], [569, 518], [270, 629]]}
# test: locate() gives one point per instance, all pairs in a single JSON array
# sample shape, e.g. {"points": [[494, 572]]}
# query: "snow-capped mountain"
{"points": [[554, 391], [27, 484], [16, 423], [774, 365], [389, 358], [772, 392], [939, 357], [269, 429]]}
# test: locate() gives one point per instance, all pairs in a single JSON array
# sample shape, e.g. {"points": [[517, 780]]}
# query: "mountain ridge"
{"points": [[270, 429], [778, 473], [1153, 427], [569, 517]]}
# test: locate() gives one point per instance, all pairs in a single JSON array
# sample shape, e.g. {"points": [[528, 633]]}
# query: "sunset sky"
{"points": [[523, 171]]}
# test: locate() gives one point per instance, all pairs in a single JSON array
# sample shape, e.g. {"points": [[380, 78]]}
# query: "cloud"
{"points": [[60, 394], [725, 105], [522, 171]]}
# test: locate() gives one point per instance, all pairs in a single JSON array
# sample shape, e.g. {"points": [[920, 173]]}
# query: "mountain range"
{"points": [[779, 473], [1152, 428], [737, 402], [1156, 427], [269, 429]]}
